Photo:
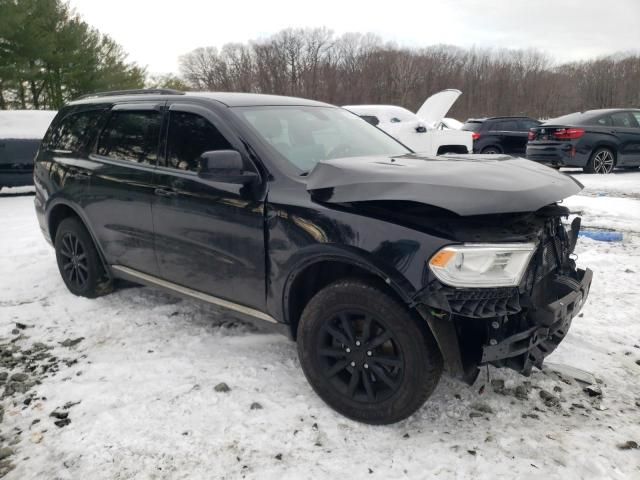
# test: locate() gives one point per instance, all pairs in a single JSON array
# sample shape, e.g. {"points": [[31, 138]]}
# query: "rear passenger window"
{"points": [[73, 133], [191, 135], [622, 119], [509, 126], [131, 136], [604, 121]]}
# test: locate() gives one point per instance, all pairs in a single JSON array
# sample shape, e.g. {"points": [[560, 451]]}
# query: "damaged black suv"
{"points": [[386, 266]]}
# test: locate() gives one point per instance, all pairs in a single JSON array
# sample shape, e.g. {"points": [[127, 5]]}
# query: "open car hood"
{"points": [[435, 108], [463, 184]]}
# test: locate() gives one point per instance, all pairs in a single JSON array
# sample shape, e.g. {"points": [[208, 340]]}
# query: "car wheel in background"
{"points": [[78, 260], [365, 354], [602, 161], [491, 151]]}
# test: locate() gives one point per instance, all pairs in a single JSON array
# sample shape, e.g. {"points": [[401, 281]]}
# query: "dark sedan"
{"points": [[596, 140]]}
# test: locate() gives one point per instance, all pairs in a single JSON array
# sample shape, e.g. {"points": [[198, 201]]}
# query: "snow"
{"points": [[31, 124], [149, 362]]}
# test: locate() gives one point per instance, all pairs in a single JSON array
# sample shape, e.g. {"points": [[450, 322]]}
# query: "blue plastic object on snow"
{"points": [[602, 236]]}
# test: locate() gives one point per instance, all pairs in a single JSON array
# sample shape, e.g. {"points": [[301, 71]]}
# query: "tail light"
{"points": [[532, 134], [568, 133], [475, 136]]}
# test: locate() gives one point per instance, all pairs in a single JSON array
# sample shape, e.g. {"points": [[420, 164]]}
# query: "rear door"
{"points": [[512, 139], [209, 235], [119, 206]]}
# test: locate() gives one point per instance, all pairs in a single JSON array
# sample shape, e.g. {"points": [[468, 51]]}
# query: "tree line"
{"points": [[49, 55], [361, 68]]}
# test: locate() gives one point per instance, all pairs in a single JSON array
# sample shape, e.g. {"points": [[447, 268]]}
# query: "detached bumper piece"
{"points": [[526, 349]]}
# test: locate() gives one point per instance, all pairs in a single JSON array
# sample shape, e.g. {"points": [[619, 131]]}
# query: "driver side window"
{"points": [[189, 136]]}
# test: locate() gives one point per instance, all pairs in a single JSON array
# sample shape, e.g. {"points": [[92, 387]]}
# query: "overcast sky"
{"points": [[156, 32]]}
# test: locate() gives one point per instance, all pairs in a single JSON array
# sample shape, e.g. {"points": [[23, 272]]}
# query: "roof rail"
{"points": [[140, 91]]}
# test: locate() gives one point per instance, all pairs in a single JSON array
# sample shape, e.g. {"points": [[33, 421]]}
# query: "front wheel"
{"points": [[602, 161], [365, 354]]}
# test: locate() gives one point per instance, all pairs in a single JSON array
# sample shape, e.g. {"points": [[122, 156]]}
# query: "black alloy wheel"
{"points": [[78, 261], [360, 356], [74, 267], [365, 353]]}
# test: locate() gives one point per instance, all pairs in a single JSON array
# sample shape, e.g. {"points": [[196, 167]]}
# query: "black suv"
{"points": [[495, 135], [596, 140], [385, 266]]}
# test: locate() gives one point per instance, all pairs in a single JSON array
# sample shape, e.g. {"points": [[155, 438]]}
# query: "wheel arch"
{"points": [[62, 209], [315, 273], [605, 144]]}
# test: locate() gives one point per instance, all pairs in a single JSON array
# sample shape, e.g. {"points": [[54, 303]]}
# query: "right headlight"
{"points": [[481, 264]]}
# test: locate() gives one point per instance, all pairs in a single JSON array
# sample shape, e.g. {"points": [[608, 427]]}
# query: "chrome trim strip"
{"points": [[195, 294]]}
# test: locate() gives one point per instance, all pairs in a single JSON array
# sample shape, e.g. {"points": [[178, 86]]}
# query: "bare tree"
{"points": [[361, 68]]}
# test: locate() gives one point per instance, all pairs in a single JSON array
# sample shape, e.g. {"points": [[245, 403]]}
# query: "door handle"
{"points": [[161, 192]]}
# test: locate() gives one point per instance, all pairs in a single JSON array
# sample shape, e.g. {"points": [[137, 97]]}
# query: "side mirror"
{"points": [[224, 166], [421, 128]]}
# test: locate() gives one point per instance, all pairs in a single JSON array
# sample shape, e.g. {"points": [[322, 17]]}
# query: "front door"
{"points": [[209, 236]]}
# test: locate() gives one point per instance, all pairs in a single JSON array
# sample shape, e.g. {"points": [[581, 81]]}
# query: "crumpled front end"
{"points": [[513, 327]]}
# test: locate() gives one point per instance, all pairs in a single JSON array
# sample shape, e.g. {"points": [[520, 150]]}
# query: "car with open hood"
{"points": [[386, 266], [427, 131]]}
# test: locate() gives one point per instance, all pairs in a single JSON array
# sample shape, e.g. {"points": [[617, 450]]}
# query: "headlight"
{"points": [[482, 265]]}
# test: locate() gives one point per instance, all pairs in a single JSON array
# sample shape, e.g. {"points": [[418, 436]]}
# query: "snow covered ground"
{"points": [[146, 367]]}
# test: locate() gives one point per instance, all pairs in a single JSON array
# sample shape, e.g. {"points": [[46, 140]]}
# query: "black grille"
{"points": [[482, 303]]}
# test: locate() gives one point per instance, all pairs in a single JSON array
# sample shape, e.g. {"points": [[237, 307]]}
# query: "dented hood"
{"points": [[435, 108], [463, 184]]}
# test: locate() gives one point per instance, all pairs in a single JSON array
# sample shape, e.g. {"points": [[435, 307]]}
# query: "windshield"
{"points": [[307, 135]]}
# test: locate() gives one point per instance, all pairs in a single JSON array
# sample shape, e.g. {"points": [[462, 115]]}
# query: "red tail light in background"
{"points": [[532, 135], [568, 133], [475, 136]]}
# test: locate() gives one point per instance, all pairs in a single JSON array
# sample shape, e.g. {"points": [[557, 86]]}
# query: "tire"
{"points": [[78, 261], [491, 151], [602, 161], [379, 377]]}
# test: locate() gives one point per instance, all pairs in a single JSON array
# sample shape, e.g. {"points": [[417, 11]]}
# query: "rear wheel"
{"points": [[602, 161], [365, 354], [491, 151], [78, 260]]}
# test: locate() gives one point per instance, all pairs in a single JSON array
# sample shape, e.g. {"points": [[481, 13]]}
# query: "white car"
{"points": [[424, 131]]}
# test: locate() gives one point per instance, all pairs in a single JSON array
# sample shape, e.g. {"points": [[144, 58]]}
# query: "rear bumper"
{"points": [[562, 155], [523, 350]]}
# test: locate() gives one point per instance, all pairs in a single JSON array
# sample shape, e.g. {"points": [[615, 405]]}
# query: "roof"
{"points": [[25, 124], [230, 99], [505, 117]]}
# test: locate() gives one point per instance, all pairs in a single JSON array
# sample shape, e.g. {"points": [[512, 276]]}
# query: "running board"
{"points": [[155, 281]]}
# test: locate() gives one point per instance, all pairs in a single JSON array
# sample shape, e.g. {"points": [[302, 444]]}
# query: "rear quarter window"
{"points": [[74, 132], [504, 126]]}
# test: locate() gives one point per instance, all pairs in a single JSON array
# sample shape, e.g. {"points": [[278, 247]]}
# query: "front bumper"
{"points": [[527, 349]]}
